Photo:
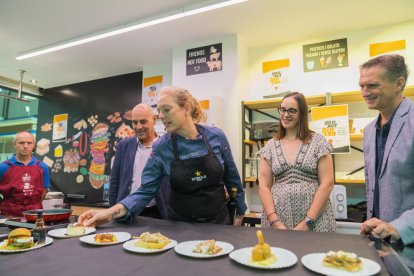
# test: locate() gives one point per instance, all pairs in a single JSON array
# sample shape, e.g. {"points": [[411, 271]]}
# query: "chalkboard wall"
{"points": [[97, 119]]}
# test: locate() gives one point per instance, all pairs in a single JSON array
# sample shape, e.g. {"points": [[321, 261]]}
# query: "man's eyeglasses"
{"points": [[290, 111]]}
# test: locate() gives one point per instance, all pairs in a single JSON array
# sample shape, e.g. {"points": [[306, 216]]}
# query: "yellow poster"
{"points": [[60, 127], [276, 76], [151, 85], [333, 123]]}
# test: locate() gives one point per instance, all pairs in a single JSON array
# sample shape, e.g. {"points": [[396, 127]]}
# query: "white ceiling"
{"points": [[27, 24]]}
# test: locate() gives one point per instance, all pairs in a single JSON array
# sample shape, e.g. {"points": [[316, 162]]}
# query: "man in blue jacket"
{"points": [[130, 159]]}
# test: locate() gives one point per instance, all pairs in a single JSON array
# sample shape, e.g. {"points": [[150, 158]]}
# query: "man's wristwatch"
{"points": [[309, 222]]}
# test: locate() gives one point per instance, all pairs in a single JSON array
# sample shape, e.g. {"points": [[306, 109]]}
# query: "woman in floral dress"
{"points": [[296, 175]]}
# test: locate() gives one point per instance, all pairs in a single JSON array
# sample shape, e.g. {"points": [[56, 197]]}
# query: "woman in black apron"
{"points": [[189, 167], [199, 198]]}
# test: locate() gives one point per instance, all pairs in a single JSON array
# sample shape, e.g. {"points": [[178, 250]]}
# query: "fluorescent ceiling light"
{"points": [[190, 10]]}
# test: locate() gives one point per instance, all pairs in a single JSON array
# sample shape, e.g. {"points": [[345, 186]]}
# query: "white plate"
{"points": [[284, 258], [61, 232], [186, 248], [129, 245], [48, 241], [314, 262], [120, 236]]}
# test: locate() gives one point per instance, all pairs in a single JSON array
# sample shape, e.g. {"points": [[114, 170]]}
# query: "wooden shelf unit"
{"points": [[342, 97], [250, 142]]}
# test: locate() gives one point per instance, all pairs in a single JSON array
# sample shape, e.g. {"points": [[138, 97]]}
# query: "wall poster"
{"points": [[333, 123], [151, 87], [325, 55], [60, 127], [204, 59], [275, 76]]}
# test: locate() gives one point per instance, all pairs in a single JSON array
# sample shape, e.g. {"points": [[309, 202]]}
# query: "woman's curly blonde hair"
{"points": [[182, 97]]}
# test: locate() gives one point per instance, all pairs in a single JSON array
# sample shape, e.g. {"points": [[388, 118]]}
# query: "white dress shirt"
{"points": [[141, 158]]}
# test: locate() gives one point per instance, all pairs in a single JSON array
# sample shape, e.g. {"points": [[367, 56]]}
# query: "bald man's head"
{"points": [[143, 122]]}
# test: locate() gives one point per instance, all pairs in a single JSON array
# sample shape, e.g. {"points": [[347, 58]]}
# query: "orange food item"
{"points": [[105, 238], [261, 251]]}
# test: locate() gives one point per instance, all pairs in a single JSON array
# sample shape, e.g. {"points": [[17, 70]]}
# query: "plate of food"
{"points": [[203, 248], [277, 258], [71, 231], [109, 238], [263, 256], [149, 243], [21, 240], [340, 263]]}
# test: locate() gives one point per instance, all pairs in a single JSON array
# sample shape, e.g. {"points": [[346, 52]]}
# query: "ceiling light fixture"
{"points": [[187, 11]]}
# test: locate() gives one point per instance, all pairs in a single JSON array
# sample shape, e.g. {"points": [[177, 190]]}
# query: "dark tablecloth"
{"points": [[72, 257]]}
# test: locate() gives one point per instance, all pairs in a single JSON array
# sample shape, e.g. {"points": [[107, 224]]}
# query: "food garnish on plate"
{"points": [[152, 240], [208, 247], [261, 253], [75, 229], [105, 238], [342, 260], [19, 238]]}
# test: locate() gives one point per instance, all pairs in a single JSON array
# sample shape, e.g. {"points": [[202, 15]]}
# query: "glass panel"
{"points": [[11, 109], [15, 116]]}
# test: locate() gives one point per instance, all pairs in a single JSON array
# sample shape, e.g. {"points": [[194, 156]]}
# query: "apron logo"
{"points": [[27, 187], [198, 177], [26, 178]]}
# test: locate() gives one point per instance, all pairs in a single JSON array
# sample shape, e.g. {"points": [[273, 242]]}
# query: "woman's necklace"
{"points": [[289, 139]]}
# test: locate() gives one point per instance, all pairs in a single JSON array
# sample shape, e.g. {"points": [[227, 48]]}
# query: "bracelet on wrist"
{"points": [[270, 214]]}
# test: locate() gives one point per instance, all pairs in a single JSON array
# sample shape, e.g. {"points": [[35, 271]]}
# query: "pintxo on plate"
{"points": [[342, 260], [75, 229], [105, 238], [261, 253], [208, 247], [152, 240]]}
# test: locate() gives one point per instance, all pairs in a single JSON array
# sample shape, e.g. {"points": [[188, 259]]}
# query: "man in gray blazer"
{"points": [[389, 149]]}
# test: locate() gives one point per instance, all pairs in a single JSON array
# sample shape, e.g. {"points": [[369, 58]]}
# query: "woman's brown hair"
{"points": [[183, 97], [304, 133]]}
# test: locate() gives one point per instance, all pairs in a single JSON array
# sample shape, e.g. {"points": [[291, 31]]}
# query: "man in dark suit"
{"points": [[130, 159], [389, 149]]}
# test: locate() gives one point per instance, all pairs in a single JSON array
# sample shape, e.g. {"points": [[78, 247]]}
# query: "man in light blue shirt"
{"points": [[130, 159]]}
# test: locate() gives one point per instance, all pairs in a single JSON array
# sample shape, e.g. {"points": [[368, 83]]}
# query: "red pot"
{"points": [[48, 214]]}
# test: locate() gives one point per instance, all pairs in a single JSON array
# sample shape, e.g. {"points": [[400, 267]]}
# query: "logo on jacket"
{"points": [[198, 177]]}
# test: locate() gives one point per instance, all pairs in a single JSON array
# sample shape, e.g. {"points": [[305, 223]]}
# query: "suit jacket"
{"points": [[396, 179], [121, 176]]}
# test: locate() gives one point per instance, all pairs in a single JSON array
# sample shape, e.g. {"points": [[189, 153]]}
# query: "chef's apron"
{"points": [[22, 188], [197, 188]]}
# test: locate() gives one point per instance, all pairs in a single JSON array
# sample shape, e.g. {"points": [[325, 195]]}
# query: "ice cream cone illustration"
{"points": [[340, 58]]}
